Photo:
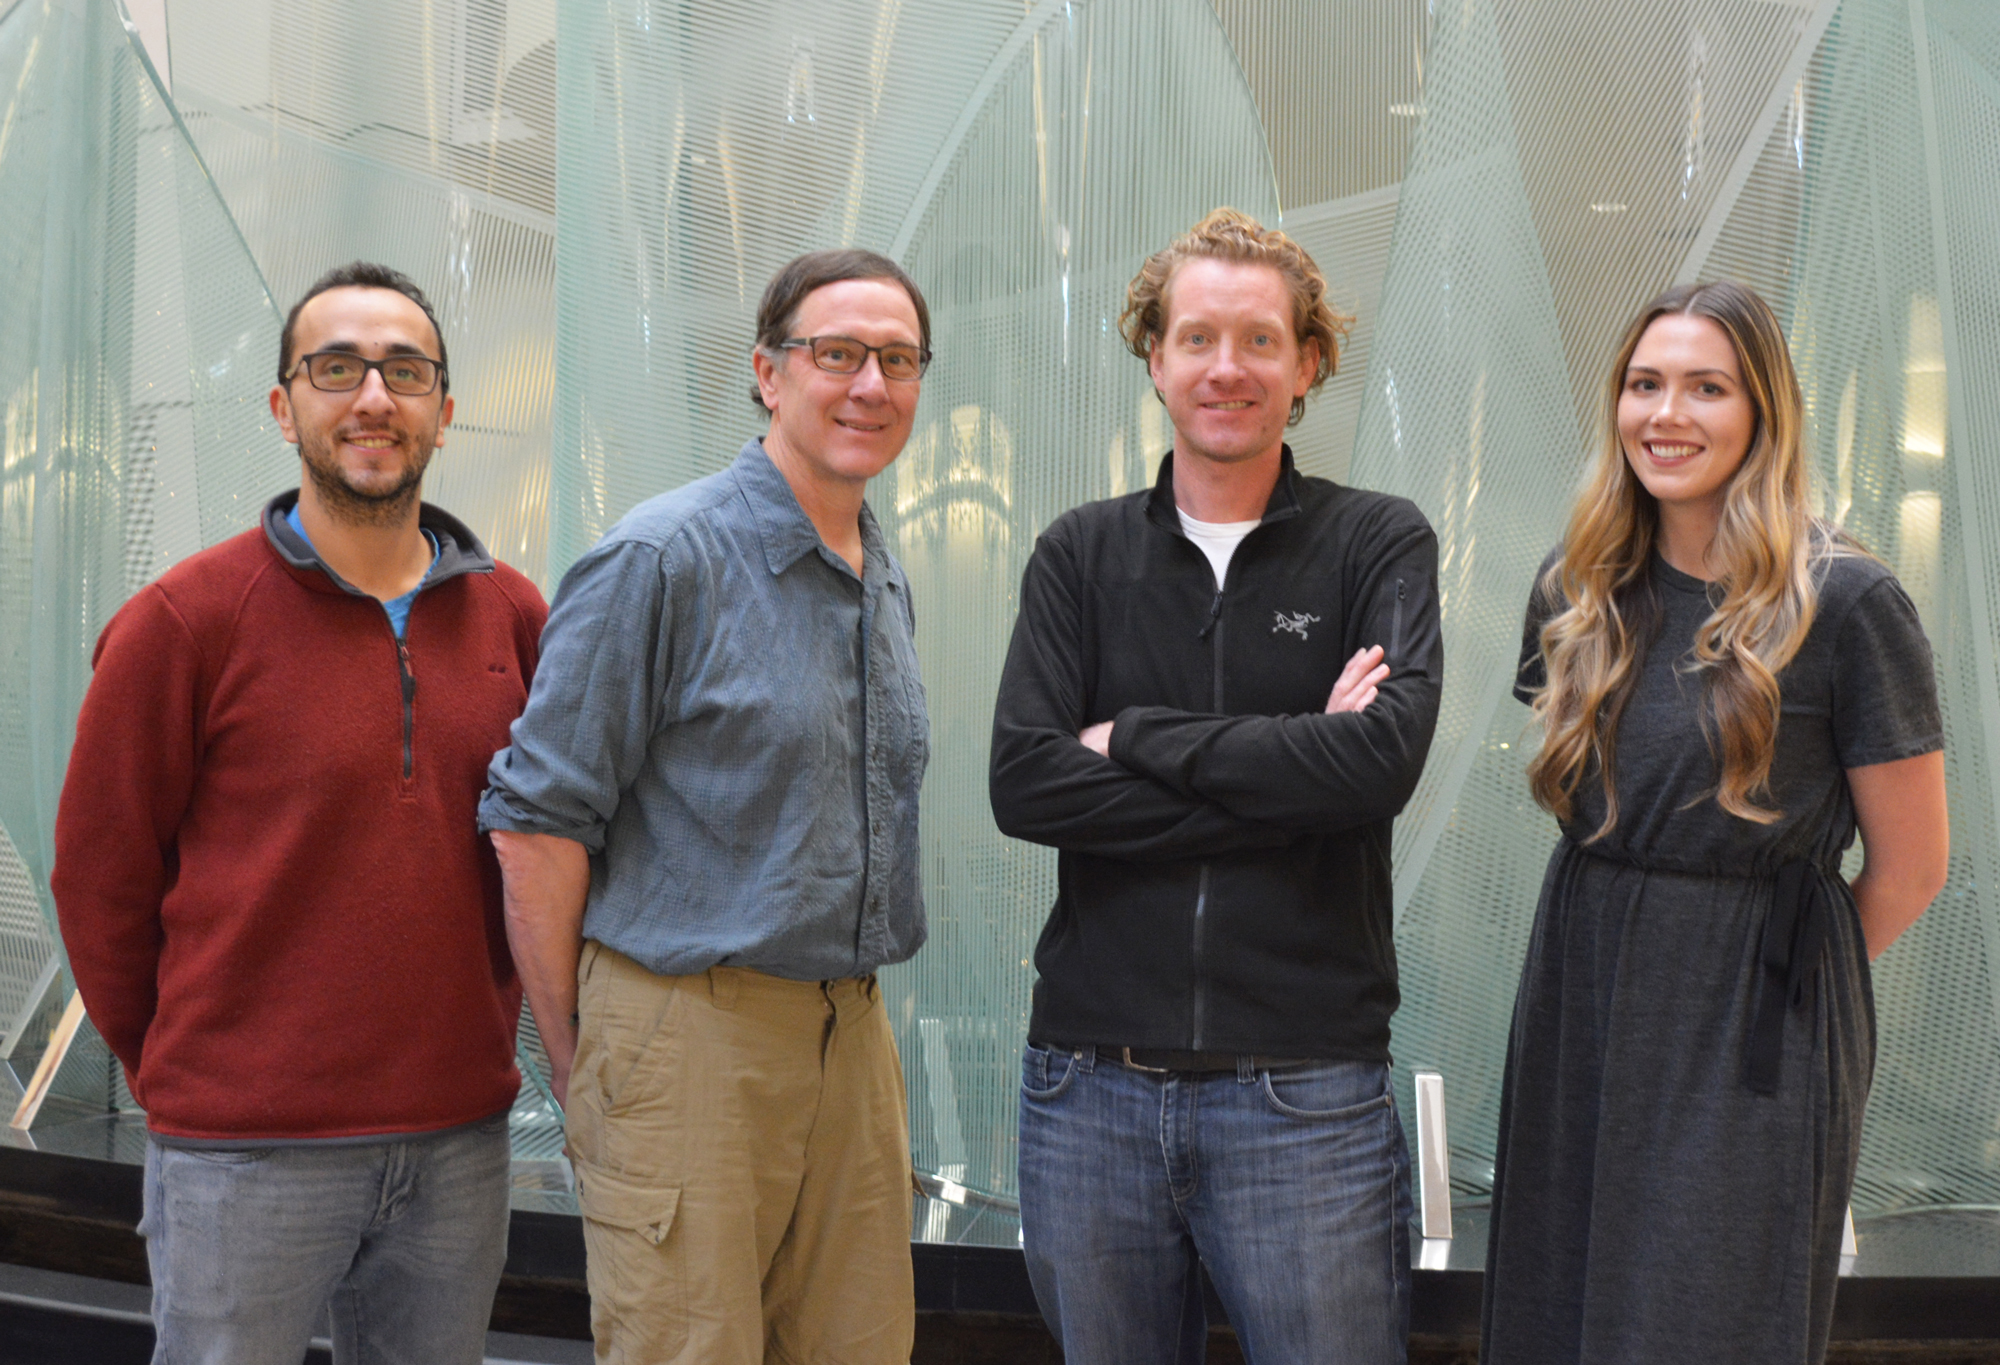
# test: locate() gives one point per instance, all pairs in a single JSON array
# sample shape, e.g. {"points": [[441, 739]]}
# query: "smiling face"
{"points": [[841, 429], [1227, 363], [364, 452], [1685, 418]]}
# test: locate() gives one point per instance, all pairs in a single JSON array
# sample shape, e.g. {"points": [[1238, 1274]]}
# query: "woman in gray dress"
{"points": [[1727, 688]]}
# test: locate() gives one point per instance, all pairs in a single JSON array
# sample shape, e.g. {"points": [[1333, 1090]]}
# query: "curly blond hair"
{"points": [[1229, 235]]}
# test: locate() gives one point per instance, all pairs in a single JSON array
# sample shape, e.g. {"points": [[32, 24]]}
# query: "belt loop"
{"points": [[1086, 1059], [722, 985], [871, 989], [1246, 1068]]}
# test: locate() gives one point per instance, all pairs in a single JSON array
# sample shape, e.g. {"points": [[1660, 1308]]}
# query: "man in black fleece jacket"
{"points": [[1219, 694]]}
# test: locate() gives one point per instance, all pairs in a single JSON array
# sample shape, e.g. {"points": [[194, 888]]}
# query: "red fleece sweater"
{"points": [[281, 930]]}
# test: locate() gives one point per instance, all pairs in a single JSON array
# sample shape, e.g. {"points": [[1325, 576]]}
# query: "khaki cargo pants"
{"points": [[742, 1155]]}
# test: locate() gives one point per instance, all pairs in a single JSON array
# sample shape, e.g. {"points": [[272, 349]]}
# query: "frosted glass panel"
{"points": [[1897, 328], [135, 341], [1468, 412], [422, 136]]}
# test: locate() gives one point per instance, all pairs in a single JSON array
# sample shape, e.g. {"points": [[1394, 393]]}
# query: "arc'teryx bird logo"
{"points": [[1296, 623]]}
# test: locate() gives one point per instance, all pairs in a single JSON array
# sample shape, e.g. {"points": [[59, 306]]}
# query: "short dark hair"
{"points": [[787, 291], [363, 275]]}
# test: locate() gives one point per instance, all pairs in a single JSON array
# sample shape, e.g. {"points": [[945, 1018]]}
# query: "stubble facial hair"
{"points": [[350, 505]]}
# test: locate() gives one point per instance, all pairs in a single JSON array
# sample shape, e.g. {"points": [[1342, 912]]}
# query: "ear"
{"points": [[1153, 364], [444, 420], [1308, 367], [281, 408], [767, 378]]}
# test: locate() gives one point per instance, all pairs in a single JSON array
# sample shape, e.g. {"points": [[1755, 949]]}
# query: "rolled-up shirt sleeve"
{"points": [[606, 665]]}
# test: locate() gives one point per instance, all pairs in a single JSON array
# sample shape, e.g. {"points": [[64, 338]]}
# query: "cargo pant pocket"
{"points": [[636, 1267]]}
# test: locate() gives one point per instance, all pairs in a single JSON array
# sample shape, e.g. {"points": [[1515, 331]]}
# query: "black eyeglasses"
{"points": [[845, 355], [411, 376]]}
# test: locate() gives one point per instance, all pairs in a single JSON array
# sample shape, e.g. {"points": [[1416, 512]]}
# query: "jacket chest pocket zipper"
{"points": [[1396, 625]]}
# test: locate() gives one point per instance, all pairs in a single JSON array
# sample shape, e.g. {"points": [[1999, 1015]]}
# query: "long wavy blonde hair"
{"points": [[1764, 555]]}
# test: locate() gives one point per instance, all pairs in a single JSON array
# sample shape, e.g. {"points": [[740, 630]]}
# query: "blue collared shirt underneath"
{"points": [[733, 724]]}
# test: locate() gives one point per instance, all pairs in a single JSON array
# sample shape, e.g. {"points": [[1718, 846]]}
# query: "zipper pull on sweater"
{"points": [[1214, 615]]}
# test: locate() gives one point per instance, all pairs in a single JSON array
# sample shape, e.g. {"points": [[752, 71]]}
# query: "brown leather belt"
{"points": [[1170, 1060]]}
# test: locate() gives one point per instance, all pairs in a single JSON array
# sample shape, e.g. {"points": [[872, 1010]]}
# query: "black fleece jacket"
{"points": [[1224, 876]]}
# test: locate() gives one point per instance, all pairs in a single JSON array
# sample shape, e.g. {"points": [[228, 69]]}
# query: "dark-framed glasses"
{"points": [[845, 355], [412, 376]]}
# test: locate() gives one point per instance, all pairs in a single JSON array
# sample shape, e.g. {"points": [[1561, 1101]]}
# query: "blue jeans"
{"points": [[1291, 1186], [404, 1240]]}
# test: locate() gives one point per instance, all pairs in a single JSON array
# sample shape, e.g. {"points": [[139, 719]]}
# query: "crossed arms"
{"points": [[1164, 783]]}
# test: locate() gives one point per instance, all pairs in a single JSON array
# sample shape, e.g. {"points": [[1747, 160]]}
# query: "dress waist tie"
{"points": [[1795, 929], [1794, 932]]}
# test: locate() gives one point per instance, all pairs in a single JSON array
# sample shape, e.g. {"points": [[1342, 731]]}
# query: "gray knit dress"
{"points": [[1694, 1034]]}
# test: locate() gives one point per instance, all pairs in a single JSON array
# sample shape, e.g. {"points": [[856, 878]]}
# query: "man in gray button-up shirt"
{"points": [[707, 824]]}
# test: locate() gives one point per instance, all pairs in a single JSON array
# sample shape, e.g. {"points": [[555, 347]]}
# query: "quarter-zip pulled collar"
{"points": [[459, 551]]}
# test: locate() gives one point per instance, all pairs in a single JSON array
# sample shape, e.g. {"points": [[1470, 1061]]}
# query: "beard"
{"points": [[371, 506]]}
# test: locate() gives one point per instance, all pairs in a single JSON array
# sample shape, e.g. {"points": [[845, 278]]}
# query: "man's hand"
{"points": [[1097, 738], [546, 879], [1355, 687]]}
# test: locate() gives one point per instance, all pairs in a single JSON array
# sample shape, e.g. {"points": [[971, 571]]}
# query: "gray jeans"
{"points": [[404, 1241]]}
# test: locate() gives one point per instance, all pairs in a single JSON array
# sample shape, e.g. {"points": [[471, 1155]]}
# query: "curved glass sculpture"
{"points": [[136, 339], [1021, 157]]}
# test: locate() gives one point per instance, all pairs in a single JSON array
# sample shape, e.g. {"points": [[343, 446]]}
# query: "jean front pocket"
{"points": [[1327, 1092], [1046, 1073]]}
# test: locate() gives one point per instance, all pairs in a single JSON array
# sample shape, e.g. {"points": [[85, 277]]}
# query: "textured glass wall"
{"points": [[1340, 87], [1836, 157], [1012, 160], [423, 136], [1484, 184], [135, 341], [1895, 301]]}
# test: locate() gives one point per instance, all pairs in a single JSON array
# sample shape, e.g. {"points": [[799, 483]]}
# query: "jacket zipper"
{"points": [[409, 705], [1213, 632], [1200, 998], [1396, 626]]}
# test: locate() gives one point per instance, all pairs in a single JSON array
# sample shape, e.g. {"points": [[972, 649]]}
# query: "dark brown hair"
{"points": [[363, 275], [786, 294]]}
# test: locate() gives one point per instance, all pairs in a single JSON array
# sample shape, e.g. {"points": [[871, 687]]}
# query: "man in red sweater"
{"points": [[272, 889]]}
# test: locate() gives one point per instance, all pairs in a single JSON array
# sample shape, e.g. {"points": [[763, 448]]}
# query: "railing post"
{"points": [[1433, 1171]]}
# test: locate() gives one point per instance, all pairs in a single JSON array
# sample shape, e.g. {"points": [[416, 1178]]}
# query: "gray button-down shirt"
{"points": [[732, 723]]}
